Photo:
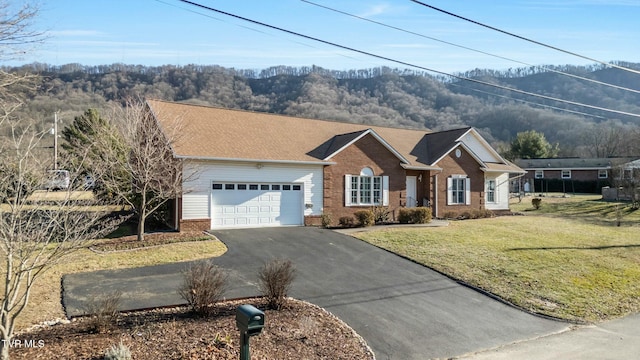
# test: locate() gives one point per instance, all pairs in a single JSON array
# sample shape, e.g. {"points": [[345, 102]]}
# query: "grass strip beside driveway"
{"points": [[554, 266], [45, 301]]}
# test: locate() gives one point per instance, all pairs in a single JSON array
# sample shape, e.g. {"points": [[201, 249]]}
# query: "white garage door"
{"points": [[252, 205]]}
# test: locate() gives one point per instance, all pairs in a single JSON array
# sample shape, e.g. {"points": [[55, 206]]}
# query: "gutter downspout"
{"points": [[435, 194]]}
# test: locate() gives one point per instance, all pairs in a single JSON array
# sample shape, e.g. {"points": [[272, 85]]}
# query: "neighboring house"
{"points": [[566, 174], [626, 182], [257, 169]]}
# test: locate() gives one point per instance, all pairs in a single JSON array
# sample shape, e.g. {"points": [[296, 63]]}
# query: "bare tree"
{"points": [[36, 234], [604, 139], [154, 174], [17, 34]]}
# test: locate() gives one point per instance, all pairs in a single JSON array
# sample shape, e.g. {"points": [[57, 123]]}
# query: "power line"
{"points": [[527, 39], [533, 103], [472, 49], [411, 65]]}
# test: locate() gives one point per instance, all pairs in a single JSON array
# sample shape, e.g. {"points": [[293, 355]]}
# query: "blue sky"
{"points": [[154, 32]]}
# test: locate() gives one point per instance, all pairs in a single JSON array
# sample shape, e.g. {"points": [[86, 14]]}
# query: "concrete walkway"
{"points": [[403, 310]]}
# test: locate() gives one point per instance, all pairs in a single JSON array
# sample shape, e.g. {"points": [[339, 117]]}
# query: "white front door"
{"points": [[411, 192]]}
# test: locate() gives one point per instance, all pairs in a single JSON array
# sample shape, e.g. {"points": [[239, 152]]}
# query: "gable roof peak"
{"points": [[342, 141]]}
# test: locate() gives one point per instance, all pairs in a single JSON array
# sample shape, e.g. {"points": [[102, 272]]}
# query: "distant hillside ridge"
{"points": [[377, 96]]}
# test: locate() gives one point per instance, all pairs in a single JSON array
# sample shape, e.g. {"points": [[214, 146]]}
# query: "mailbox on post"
{"points": [[249, 319], [250, 322]]}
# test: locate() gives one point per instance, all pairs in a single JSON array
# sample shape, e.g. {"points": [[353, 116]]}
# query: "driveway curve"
{"points": [[402, 309]]}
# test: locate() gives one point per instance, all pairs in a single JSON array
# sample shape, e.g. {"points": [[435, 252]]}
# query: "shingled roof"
{"points": [[225, 134]]}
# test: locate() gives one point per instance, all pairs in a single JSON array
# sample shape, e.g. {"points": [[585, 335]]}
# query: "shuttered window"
{"points": [[366, 190], [458, 190]]}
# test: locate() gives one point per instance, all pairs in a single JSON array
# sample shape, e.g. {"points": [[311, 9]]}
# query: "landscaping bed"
{"points": [[299, 331], [131, 242]]}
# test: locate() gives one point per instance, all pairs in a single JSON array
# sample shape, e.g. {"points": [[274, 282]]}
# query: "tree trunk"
{"points": [[4, 348], [141, 221], [142, 214]]}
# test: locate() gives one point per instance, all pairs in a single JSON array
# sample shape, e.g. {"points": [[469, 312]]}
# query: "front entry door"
{"points": [[411, 192]]}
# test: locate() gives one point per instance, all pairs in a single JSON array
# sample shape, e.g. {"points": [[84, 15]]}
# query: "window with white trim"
{"points": [[539, 174], [603, 174], [566, 174], [491, 191], [366, 189], [458, 190]]}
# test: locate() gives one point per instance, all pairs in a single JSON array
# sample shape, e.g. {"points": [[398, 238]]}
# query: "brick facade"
{"points": [[366, 152], [464, 165], [191, 225], [313, 220], [577, 175]]}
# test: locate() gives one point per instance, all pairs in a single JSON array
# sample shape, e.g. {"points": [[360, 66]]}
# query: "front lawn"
{"points": [[566, 260]]}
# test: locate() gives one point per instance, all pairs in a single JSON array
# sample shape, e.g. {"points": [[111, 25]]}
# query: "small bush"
{"points": [[326, 220], [421, 215], [485, 214], [347, 221], [103, 311], [204, 285], [450, 215], [380, 214], [536, 202], [118, 352], [418, 215], [365, 217], [404, 216], [274, 281]]}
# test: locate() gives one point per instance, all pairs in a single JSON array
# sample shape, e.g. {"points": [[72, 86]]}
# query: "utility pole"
{"points": [[55, 141]]}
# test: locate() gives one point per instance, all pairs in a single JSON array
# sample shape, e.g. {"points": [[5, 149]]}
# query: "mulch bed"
{"points": [[152, 239], [300, 331]]}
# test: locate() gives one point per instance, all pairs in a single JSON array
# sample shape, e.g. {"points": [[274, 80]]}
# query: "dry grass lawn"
{"points": [[567, 260], [45, 301]]}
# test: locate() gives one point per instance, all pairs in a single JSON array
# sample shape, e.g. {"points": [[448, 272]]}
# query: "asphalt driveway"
{"points": [[402, 309]]}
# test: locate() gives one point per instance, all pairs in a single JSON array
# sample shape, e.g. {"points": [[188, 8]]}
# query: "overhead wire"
{"points": [[381, 57], [244, 27], [608, 64], [533, 103], [471, 49]]}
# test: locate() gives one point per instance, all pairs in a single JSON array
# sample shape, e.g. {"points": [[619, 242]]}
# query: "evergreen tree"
{"points": [[531, 145]]}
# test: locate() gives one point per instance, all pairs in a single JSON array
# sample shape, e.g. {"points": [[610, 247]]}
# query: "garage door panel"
{"points": [[245, 205]]}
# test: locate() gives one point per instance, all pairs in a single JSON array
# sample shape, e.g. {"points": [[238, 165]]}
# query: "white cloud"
{"points": [[375, 10]]}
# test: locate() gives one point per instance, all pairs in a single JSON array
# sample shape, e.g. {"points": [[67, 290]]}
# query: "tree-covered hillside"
{"points": [[379, 96]]}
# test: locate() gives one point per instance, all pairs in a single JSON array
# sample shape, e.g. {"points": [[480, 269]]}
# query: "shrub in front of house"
{"points": [[419, 215], [346, 221], [485, 214], [469, 214], [325, 220], [536, 202], [365, 217], [404, 216], [450, 215], [380, 214]]}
